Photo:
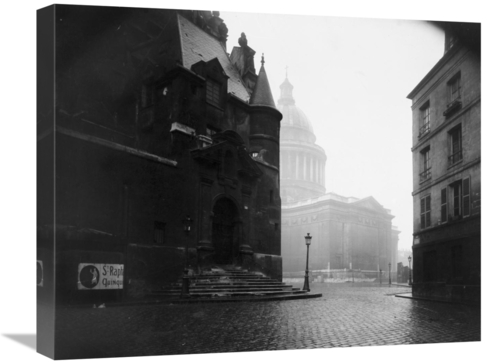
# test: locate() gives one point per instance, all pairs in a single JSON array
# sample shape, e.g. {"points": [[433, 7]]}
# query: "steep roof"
{"points": [[197, 45], [262, 92]]}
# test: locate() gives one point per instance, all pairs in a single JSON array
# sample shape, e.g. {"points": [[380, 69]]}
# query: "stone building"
{"points": [[446, 107], [347, 232], [153, 123]]}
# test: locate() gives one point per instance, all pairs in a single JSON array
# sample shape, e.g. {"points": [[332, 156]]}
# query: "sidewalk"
{"points": [[410, 296]]}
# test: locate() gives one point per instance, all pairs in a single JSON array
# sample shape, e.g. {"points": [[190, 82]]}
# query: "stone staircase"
{"points": [[231, 283]]}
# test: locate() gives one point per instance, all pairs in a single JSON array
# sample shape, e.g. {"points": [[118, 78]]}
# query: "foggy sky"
{"points": [[351, 77]]}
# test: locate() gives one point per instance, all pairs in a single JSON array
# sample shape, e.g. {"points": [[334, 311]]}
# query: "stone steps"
{"points": [[228, 293], [230, 284], [229, 289], [224, 282]]}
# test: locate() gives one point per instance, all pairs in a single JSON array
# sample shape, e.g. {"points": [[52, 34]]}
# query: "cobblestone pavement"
{"points": [[346, 315]]}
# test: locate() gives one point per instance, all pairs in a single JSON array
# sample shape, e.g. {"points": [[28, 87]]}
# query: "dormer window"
{"points": [[450, 41], [213, 92], [215, 81]]}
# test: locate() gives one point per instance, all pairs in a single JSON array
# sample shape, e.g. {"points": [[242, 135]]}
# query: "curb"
{"points": [[411, 297], [203, 300]]}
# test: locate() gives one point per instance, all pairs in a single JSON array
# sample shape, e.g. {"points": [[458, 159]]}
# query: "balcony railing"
{"points": [[424, 130], [425, 175], [455, 157], [453, 106]]}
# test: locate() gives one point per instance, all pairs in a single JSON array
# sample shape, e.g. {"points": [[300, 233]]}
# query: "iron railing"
{"points": [[425, 175], [424, 130], [455, 157]]}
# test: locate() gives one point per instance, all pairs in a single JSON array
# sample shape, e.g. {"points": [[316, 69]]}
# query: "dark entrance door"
{"points": [[223, 232]]}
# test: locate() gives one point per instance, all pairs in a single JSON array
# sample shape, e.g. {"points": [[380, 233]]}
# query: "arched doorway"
{"points": [[223, 231]]}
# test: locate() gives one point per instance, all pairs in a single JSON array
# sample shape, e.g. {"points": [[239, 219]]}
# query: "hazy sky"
{"points": [[351, 77]]}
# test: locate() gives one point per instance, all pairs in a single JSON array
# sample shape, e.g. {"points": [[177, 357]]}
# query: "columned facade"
{"points": [[347, 232], [302, 161]]}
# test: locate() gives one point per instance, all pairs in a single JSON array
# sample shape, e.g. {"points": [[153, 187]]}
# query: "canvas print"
{"points": [[213, 182]]}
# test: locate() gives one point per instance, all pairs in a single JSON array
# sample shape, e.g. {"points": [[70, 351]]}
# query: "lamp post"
{"points": [[306, 277], [409, 270], [389, 274], [380, 276], [187, 222]]}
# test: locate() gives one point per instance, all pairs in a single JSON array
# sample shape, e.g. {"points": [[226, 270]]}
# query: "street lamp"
{"points": [[187, 222], [409, 270], [306, 278], [389, 274], [380, 276]]}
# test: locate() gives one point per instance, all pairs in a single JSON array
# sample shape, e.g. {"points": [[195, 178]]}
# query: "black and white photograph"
{"points": [[250, 183]]}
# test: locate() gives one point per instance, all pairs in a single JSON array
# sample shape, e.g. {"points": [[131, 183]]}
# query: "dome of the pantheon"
{"points": [[302, 162], [295, 125]]}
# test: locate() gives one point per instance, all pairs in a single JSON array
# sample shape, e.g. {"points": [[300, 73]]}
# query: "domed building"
{"points": [[348, 232], [302, 161]]}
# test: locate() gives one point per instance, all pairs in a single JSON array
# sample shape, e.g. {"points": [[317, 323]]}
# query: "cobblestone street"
{"points": [[346, 315]]}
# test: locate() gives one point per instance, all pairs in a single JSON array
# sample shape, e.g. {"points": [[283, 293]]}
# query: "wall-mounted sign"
{"points": [[100, 276], [39, 273]]}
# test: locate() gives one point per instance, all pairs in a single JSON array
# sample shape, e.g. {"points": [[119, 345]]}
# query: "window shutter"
{"points": [[428, 211], [466, 196], [422, 213], [444, 206], [456, 200]]}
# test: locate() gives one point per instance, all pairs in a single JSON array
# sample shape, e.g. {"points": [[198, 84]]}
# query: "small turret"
{"points": [[265, 120], [262, 92]]}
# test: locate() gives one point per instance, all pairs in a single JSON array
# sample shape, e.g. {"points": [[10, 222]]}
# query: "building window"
{"points": [[454, 95], [425, 119], [454, 88], [456, 198], [455, 142], [444, 205], [460, 199], [213, 92], [159, 237], [425, 165], [425, 212], [271, 196]]}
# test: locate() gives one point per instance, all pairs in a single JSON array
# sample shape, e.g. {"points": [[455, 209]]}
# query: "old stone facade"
{"points": [[348, 233], [153, 123], [446, 150]]}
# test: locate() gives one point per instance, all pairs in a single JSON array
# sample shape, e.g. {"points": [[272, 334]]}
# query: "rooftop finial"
{"points": [[262, 61], [286, 72]]}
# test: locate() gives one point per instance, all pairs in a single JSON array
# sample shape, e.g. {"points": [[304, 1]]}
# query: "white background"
{"points": [[18, 196]]}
